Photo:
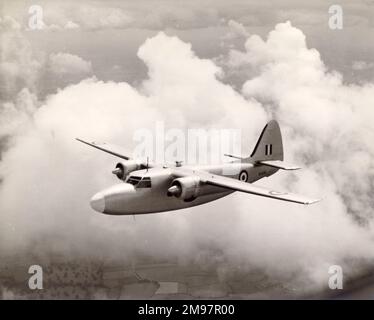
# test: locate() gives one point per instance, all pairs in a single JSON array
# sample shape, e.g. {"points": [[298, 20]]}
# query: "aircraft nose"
{"points": [[98, 202]]}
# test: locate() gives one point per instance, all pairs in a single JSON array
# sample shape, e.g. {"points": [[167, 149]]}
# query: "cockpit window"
{"points": [[133, 180], [140, 182]]}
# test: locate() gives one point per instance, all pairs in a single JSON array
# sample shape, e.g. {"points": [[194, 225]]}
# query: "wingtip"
{"points": [[81, 140], [313, 201]]}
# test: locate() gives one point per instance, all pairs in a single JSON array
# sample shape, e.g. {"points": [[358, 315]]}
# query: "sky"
{"points": [[104, 69]]}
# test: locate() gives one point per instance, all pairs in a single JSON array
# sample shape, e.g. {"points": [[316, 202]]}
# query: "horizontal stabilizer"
{"points": [[279, 164]]}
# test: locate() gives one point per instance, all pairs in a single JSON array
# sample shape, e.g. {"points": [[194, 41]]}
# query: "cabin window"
{"points": [[140, 182]]}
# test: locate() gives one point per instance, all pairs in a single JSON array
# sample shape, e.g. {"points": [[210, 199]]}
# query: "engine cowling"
{"points": [[124, 168], [186, 188]]}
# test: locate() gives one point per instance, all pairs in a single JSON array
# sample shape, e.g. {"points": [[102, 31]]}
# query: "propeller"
{"points": [[119, 172], [174, 191]]}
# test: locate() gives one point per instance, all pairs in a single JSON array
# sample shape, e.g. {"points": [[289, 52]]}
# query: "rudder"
{"points": [[269, 145]]}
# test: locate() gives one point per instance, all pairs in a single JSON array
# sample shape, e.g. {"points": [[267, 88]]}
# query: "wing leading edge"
{"points": [[111, 149]]}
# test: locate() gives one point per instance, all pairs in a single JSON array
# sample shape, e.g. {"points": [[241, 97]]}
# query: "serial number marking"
{"points": [[202, 309], [188, 309]]}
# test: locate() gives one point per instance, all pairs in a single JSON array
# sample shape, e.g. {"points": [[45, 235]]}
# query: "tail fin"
{"points": [[269, 145]]}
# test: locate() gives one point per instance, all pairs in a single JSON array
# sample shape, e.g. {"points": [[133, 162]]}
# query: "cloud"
{"points": [[71, 25], [362, 65], [160, 15], [319, 109], [19, 65], [7, 294], [15, 115], [326, 126], [236, 32], [237, 29], [65, 63], [98, 17], [9, 23], [23, 71], [22, 67], [183, 83]]}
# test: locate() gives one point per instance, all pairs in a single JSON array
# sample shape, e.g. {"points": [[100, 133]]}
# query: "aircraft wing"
{"points": [[236, 185], [113, 150]]}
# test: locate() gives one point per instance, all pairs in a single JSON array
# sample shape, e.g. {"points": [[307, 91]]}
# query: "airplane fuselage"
{"points": [[151, 195]]}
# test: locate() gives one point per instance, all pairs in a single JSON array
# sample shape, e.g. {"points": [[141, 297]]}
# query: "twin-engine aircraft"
{"points": [[148, 188]]}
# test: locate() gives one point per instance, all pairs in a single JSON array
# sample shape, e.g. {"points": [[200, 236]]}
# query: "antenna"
{"points": [[178, 163], [232, 156], [147, 166]]}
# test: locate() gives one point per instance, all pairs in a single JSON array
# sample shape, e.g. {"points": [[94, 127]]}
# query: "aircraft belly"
{"points": [[156, 201], [172, 203]]}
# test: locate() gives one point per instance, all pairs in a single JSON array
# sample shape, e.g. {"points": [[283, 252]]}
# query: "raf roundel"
{"points": [[243, 176]]}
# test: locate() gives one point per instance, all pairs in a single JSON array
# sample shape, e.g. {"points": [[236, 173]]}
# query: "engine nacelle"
{"points": [[186, 188], [124, 168]]}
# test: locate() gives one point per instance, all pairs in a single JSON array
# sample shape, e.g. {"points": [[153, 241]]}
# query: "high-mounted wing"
{"points": [[236, 185], [113, 150]]}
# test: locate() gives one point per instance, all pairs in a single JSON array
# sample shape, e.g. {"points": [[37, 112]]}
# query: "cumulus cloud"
{"points": [[65, 63], [362, 65], [7, 294], [71, 25], [318, 108], [14, 115], [22, 67], [326, 126], [95, 15], [24, 70], [9, 23], [237, 29], [19, 65], [236, 33]]}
